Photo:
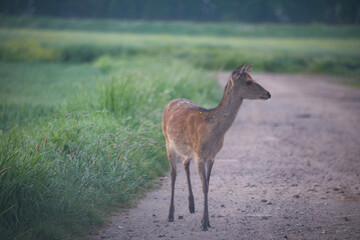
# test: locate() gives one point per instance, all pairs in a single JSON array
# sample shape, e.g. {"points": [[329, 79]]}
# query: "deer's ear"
{"points": [[237, 72], [249, 68]]}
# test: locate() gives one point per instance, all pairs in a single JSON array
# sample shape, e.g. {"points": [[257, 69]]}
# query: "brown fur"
{"points": [[197, 133]]}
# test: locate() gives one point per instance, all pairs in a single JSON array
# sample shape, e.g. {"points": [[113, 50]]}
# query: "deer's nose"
{"points": [[269, 95]]}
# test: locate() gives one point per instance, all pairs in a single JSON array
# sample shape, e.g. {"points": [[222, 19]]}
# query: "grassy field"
{"points": [[81, 104], [227, 29], [272, 48]]}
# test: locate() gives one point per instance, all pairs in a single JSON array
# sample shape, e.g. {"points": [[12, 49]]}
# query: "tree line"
{"points": [[292, 11]]}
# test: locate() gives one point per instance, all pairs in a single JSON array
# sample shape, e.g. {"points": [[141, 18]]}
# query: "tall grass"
{"points": [[62, 174]]}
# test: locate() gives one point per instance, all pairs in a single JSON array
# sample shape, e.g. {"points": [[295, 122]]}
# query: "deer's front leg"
{"points": [[202, 172]]}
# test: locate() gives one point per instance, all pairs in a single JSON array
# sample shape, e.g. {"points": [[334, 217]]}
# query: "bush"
{"points": [[26, 50]]}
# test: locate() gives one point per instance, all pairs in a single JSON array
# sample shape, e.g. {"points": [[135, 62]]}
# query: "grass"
{"points": [[81, 104], [44, 83], [355, 83], [30, 91]]}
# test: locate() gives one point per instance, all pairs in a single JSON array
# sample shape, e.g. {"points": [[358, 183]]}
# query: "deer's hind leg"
{"points": [[209, 165], [204, 180], [186, 162], [172, 160]]}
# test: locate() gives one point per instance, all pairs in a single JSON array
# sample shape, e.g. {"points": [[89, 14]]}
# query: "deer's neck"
{"points": [[225, 113]]}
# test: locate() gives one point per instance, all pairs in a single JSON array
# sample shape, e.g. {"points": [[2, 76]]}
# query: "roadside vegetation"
{"points": [[81, 104], [67, 160]]}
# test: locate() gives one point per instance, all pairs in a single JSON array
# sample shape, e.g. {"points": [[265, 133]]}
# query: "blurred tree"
{"points": [[305, 11]]}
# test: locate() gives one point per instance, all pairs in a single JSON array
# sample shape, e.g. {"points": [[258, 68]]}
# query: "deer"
{"points": [[197, 133]]}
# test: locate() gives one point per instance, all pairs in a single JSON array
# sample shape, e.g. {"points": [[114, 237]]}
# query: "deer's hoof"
{"points": [[204, 228], [192, 209], [170, 218], [205, 225]]}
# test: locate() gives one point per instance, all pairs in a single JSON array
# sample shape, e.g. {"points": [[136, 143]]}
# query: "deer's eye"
{"points": [[248, 82]]}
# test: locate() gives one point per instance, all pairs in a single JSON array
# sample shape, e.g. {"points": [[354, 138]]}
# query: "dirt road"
{"points": [[289, 169]]}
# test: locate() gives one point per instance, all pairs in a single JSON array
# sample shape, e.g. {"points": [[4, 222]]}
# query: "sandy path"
{"points": [[289, 169]]}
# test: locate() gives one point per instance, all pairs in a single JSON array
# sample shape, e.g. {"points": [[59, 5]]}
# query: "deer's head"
{"points": [[245, 86]]}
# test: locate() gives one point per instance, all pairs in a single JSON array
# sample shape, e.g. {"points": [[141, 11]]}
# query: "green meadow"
{"points": [[318, 49], [81, 104]]}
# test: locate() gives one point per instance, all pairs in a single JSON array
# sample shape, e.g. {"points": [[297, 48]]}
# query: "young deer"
{"points": [[196, 132]]}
